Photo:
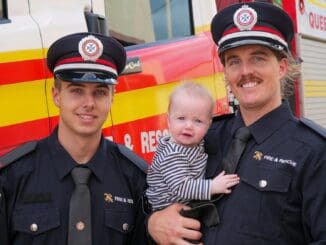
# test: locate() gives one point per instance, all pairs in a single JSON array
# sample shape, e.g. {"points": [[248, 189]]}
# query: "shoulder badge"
{"points": [[137, 160], [17, 153], [314, 126]]}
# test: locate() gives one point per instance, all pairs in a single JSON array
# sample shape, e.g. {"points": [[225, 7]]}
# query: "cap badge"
{"points": [[245, 18], [90, 48]]}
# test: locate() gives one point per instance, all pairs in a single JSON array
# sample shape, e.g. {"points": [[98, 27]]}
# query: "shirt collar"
{"points": [[268, 124], [100, 160], [64, 163]]}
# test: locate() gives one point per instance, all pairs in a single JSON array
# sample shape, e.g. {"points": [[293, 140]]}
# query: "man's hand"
{"points": [[168, 227]]}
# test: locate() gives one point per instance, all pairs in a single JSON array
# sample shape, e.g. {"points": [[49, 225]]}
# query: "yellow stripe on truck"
{"points": [[28, 104], [30, 101], [147, 102], [30, 54]]}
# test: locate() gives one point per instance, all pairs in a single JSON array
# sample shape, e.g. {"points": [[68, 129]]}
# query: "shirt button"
{"points": [[33, 227], [125, 227], [80, 226], [262, 183]]}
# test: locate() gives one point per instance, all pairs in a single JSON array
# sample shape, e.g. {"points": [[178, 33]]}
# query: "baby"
{"points": [[177, 173]]}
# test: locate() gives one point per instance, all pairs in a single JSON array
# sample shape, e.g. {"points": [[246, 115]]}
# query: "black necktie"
{"points": [[80, 232], [205, 211], [238, 144]]}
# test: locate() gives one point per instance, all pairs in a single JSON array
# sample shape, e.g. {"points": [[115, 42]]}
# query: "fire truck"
{"points": [[167, 41]]}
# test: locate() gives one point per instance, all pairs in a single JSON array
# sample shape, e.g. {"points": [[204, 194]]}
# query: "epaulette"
{"points": [[314, 126], [222, 117], [17, 153], [137, 160]]}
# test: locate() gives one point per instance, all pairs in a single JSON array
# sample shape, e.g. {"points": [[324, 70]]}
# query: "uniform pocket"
{"points": [[268, 179], [119, 220], [36, 223], [260, 199]]}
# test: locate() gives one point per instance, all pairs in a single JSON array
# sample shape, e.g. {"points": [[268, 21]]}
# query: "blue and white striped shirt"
{"points": [[177, 174]]}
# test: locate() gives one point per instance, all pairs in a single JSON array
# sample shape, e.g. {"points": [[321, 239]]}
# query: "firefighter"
{"points": [[39, 178], [281, 197]]}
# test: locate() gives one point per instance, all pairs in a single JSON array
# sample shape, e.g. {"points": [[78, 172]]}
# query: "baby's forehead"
{"points": [[193, 94]]}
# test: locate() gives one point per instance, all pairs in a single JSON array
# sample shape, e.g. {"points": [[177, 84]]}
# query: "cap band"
{"points": [[256, 28], [252, 34], [81, 60]]}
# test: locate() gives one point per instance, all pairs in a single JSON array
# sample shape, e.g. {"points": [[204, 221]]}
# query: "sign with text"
{"points": [[311, 17]]}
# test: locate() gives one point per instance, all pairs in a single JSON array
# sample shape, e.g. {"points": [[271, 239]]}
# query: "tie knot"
{"points": [[80, 175], [243, 134]]}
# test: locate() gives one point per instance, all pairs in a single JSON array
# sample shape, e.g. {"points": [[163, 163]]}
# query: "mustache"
{"points": [[244, 79], [249, 78]]}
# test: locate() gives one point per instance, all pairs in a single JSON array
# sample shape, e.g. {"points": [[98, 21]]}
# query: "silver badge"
{"points": [[245, 18], [90, 48]]}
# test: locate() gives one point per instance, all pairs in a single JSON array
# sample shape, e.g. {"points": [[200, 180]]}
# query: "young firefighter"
{"points": [[75, 187]]}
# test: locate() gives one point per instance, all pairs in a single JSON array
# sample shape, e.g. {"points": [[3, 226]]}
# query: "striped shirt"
{"points": [[177, 174]]}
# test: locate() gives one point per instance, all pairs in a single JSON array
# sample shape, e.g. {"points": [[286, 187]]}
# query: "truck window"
{"points": [[1, 10], [143, 21]]}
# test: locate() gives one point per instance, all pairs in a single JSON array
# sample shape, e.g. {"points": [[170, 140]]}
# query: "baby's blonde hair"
{"points": [[192, 89]]}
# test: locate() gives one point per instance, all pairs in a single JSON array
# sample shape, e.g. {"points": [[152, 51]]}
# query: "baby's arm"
{"points": [[223, 182]]}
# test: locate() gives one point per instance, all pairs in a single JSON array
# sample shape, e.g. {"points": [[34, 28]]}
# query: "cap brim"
{"points": [[86, 76]]}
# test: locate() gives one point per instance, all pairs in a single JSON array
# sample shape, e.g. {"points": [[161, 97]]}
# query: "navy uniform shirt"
{"points": [[36, 191], [281, 198]]}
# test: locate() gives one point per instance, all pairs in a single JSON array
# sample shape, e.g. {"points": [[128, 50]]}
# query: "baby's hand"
{"points": [[223, 182]]}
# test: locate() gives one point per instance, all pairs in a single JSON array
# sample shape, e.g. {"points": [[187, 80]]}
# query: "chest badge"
{"points": [[108, 197], [258, 155]]}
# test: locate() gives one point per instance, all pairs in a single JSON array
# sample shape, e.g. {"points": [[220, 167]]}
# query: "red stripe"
{"points": [[14, 135], [255, 28], [22, 71], [182, 60], [81, 60]]}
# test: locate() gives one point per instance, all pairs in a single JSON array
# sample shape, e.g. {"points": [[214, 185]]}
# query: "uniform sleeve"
{"points": [[314, 199], [3, 216]]}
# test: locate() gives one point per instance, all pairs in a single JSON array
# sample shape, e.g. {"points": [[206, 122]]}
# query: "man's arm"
{"points": [[314, 201], [167, 226]]}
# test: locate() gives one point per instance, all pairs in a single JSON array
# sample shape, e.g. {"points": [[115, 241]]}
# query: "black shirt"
{"points": [[37, 188], [281, 198]]}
